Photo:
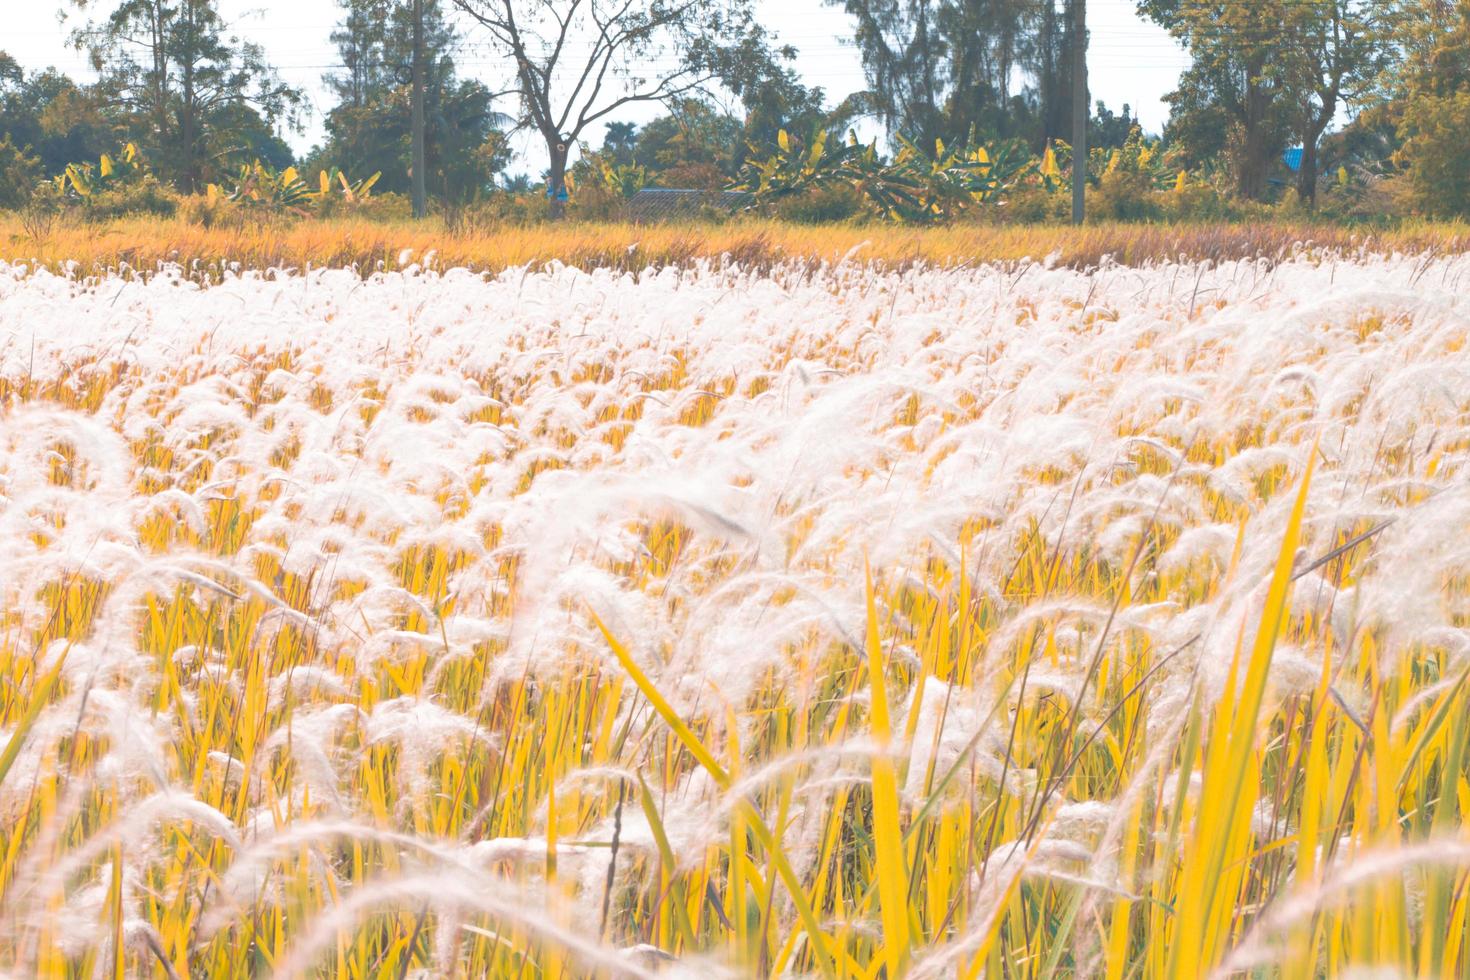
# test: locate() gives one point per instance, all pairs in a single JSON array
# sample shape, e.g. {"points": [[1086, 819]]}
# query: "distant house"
{"points": [[664, 204]]}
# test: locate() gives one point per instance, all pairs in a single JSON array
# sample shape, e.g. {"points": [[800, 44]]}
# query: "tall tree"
{"points": [[904, 57], [369, 129], [1334, 51], [576, 62], [58, 120], [1267, 71], [1109, 130], [173, 68], [700, 144], [695, 145], [1237, 74], [1431, 105], [780, 101], [618, 141], [937, 68], [362, 43], [1425, 46]]}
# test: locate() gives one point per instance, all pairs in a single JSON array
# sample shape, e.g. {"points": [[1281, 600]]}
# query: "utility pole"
{"points": [[1079, 111], [419, 194]]}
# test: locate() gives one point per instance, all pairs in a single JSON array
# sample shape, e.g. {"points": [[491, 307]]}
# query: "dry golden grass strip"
{"points": [[141, 244]]}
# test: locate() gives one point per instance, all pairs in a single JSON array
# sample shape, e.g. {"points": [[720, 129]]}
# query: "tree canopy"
{"points": [[1381, 86], [577, 62], [368, 129], [188, 90]]}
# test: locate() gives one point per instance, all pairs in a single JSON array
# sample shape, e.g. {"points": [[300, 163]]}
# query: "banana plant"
{"points": [[1137, 157], [353, 191], [86, 179], [262, 186], [797, 166], [957, 176], [259, 185], [892, 191], [624, 179], [915, 187], [1055, 167]]}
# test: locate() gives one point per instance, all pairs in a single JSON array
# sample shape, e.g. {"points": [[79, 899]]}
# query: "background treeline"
{"points": [[1368, 100]]}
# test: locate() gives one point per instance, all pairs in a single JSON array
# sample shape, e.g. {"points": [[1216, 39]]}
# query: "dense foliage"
{"points": [[368, 129], [1356, 109]]}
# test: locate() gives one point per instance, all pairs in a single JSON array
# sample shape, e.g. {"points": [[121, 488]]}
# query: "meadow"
{"points": [[262, 241], [840, 619]]}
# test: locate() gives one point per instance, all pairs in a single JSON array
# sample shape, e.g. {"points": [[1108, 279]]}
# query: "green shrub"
{"points": [[388, 207], [1030, 204], [1433, 155], [1368, 198], [821, 205], [215, 211], [44, 210], [146, 195], [1198, 203], [1125, 196], [19, 174], [593, 200]]}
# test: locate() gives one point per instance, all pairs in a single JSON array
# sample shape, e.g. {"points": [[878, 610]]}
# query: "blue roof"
{"points": [[1293, 158]]}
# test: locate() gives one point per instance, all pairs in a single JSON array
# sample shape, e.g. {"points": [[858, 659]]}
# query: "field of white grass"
{"points": [[1003, 621]]}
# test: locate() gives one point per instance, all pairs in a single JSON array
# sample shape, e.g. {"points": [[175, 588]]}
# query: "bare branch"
{"points": [[563, 90]]}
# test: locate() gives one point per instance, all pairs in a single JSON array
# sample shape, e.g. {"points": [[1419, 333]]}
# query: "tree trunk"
{"points": [[1049, 81], [1252, 176], [420, 177], [1306, 176], [1080, 105], [556, 175], [1316, 122], [189, 139], [191, 172], [1255, 155]]}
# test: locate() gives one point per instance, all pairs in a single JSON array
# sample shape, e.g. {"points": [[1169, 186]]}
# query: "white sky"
{"points": [[1131, 61]]}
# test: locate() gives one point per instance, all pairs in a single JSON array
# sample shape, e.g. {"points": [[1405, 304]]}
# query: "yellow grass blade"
{"points": [[665, 710], [1218, 848], [757, 825], [887, 834], [40, 698]]}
